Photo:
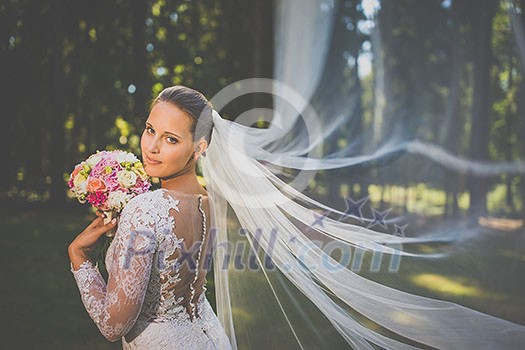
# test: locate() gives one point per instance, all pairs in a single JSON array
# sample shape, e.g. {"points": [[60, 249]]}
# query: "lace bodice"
{"points": [[156, 265]]}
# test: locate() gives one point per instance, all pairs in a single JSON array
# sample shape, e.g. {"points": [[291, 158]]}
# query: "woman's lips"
{"points": [[150, 161]]}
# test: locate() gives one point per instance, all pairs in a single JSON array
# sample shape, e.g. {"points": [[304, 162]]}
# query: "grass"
{"points": [[484, 272], [41, 306], [39, 296]]}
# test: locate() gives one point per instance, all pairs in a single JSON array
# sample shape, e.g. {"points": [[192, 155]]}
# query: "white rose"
{"points": [[127, 178], [80, 183], [126, 157], [130, 157], [117, 200], [82, 188], [93, 160]]}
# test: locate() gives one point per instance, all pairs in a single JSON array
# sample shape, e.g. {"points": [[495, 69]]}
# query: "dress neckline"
{"points": [[185, 193]]}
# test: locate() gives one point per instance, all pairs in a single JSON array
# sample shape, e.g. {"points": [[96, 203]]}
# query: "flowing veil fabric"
{"points": [[254, 296], [286, 265]]}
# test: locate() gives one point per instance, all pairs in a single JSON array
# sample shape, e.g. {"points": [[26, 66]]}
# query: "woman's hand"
{"points": [[85, 241]]}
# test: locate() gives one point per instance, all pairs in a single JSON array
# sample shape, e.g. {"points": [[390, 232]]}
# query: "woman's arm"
{"points": [[84, 242], [77, 257], [116, 305]]}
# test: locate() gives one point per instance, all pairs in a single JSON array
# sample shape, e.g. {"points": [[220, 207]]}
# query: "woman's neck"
{"points": [[186, 183]]}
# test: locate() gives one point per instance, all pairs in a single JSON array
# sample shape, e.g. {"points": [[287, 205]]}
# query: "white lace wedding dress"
{"points": [[154, 297]]}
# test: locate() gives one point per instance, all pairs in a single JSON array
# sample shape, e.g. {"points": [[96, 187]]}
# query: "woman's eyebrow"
{"points": [[165, 132], [170, 133]]}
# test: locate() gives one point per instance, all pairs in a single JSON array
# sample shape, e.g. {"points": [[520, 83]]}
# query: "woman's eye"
{"points": [[150, 130], [172, 140]]}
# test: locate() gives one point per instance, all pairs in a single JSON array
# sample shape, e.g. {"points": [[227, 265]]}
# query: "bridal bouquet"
{"points": [[108, 180]]}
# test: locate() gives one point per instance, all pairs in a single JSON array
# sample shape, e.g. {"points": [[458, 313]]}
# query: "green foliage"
{"points": [[84, 82]]}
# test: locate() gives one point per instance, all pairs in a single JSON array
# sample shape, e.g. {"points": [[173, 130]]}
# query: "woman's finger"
{"points": [[105, 228], [95, 223]]}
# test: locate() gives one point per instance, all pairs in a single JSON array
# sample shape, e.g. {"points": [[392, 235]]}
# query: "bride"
{"points": [[155, 294], [154, 297]]}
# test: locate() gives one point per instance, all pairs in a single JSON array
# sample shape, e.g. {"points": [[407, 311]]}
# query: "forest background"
{"points": [[78, 77]]}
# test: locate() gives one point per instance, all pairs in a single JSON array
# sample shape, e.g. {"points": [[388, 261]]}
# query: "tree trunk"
{"points": [[358, 112], [451, 129], [29, 148], [508, 147], [7, 82], [480, 128], [73, 105], [56, 121], [262, 48], [139, 72], [521, 117], [258, 30]]}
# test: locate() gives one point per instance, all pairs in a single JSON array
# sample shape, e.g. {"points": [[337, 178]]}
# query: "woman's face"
{"points": [[167, 143]]}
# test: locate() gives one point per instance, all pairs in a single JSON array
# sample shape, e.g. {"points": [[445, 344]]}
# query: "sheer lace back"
{"points": [[178, 274], [184, 278], [155, 268]]}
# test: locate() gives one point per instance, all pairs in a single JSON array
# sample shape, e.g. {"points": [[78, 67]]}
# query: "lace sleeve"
{"points": [[115, 307]]}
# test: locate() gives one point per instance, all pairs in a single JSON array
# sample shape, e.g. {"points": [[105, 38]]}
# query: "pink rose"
{"points": [[95, 185], [102, 167], [112, 182]]}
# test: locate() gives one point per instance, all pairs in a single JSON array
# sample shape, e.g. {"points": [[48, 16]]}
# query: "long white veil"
{"points": [[292, 272]]}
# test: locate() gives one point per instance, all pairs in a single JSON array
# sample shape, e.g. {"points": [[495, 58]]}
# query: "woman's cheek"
{"points": [[143, 145]]}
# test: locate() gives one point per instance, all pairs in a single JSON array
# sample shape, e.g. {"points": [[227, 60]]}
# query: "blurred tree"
{"points": [[411, 70], [9, 54], [521, 110], [139, 68], [343, 63], [452, 127], [483, 13], [504, 145], [56, 118], [78, 78]]}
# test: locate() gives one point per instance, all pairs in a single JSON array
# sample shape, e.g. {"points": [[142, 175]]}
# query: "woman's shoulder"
{"points": [[163, 200], [154, 195], [149, 210], [185, 199], [151, 201]]}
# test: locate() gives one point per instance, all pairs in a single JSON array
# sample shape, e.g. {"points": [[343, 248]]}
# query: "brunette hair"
{"points": [[195, 105]]}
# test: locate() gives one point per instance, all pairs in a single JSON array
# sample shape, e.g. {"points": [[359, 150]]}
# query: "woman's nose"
{"points": [[154, 146]]}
